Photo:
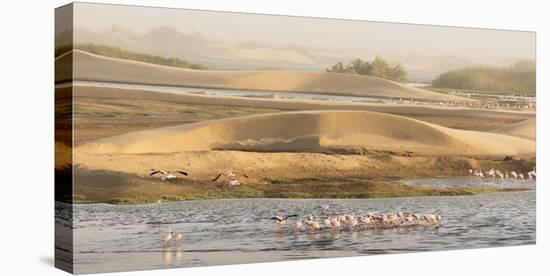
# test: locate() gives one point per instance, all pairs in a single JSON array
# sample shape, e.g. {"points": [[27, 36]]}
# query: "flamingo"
{"points": [[298, 224], [178, 237], [282, 219], [353, 223], [514, 174], [532, 174], [167, 237], [167, 174], [491, 173], [313, 225], [334, 223], [521, 176], [228, 174], [499, 174], [324, 207], [327, 222]]}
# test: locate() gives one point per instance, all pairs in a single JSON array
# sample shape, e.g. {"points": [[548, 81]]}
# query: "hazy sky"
{"points": [[314, 32]]}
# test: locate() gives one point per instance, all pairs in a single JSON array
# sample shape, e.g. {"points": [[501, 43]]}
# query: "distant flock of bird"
{"points": [[359, 222], [495, 173], [350, 222]]}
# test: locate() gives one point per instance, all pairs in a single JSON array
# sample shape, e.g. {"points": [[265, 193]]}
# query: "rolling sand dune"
{"points": [[525, 129], [97, 68], [313, 131]]}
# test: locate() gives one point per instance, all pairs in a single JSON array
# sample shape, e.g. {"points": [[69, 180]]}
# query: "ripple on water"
{"points": [[239, 230]]}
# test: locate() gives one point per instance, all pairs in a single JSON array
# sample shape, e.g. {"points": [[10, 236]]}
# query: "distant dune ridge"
{"points": [[313, 131], [97, 68]]}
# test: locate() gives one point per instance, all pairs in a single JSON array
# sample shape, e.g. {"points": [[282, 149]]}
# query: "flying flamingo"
{"points": [[167, 174], [282, 219]]}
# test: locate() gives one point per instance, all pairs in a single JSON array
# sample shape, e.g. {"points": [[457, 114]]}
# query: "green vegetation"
{"points": [[303, 189], [116, 52], [517, 78], [377, 68]]}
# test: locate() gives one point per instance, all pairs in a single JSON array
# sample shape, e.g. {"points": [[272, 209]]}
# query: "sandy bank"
{"points": [[313, 131]]}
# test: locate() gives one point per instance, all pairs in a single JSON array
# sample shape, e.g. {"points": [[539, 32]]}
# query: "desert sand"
{"points": [[525, 129], [313, 131], [98, 68], [307, 147]]}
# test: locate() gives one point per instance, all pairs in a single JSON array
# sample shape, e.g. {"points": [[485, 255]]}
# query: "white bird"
{"points": [[499, 174], [327, 221], [335, 223], [521, 176], [298, 224], [179, 236], [167, 174], [233, 182], [352, 223], [532, 174], [430, 219], [491, 173], [313, 225], [324, 207], [167, 237], [514, 174], [229, 174]]}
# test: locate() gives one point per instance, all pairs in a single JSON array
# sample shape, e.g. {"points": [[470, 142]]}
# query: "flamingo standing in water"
{"points": [[499, 174], [298, 224], [514, 175], [167, 237], [532, 174], [179, 236]]}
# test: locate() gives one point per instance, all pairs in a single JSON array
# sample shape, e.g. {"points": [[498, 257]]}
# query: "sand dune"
{"points": [[98, 68], [313, 131], [525, 129]]}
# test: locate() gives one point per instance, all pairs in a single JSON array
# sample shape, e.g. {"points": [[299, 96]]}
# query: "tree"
{"points": [[377, 68]]}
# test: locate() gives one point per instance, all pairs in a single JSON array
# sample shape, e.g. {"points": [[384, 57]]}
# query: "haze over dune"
{"points": [[98, 68], [424, 63], [313, 131]]}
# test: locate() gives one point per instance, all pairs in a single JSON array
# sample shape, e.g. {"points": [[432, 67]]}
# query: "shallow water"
{"points": [[461, 182], [241, 93], [114, 238]]}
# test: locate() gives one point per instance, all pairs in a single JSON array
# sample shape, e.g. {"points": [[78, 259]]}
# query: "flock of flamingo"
{"points": [[495, 173], [354, 222], [346, 221]]}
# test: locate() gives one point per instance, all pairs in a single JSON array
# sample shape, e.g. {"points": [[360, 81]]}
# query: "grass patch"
{"points": [[116, 52]]}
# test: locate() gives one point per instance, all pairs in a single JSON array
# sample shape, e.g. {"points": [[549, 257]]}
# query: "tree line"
{"points": [[376, 68], [116, 52], [520, 77]]}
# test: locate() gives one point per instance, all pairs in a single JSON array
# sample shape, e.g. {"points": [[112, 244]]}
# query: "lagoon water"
{"points": [[216, 232], [234, 92]]}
